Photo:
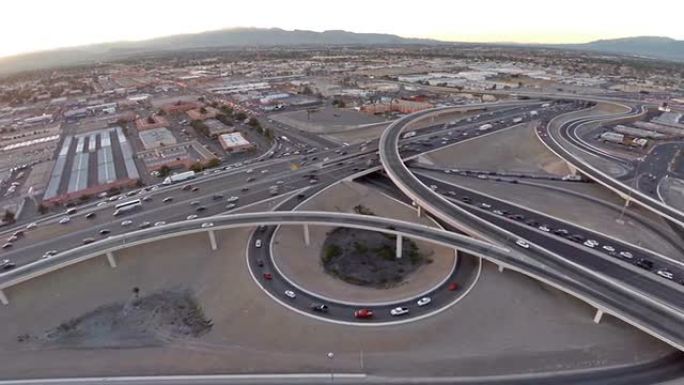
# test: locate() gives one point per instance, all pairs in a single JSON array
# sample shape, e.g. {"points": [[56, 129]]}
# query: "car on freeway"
{"points": [[207, 224], [12, 238], [608, 248], [644, 263], [159, 223], [319, 307], [217, 197], [230, 206], [104, 232], [590, 243], [257, 243], [195, 203], [101, 204], [260, 262], [7, 245], [626, 254], [90, 215], [522, 244], [561, 232], [576, 238], [87, 241], [363, 313], [64, 220], [49, 253], [268, 276], [544, 228], [191, 216], [397, 311], [127, 222], [145, 225], [70, 211], [244, 189], [290, 294], [187, 187], [232, 199], [665, 274], [424, 301], [146, 198], [167, 199], [6, 264], [31, 226], [498, 212], [452, 286], [485, 205], [251, 179]]}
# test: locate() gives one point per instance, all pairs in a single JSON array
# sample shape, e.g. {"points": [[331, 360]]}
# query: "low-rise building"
{"points": [[216, 128], [235, 142], [156, 137]]}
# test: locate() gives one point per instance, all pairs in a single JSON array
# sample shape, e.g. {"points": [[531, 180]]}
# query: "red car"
{"points": [[268, 276], [363, 313], [453, 286]]}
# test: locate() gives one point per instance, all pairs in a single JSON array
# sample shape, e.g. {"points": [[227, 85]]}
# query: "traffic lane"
{"points": [[582, 257], [552, 223], [464, 275], [257, 192]]}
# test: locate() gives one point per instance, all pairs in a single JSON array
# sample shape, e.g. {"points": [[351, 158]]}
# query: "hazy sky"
{"points": [[30, 25]]}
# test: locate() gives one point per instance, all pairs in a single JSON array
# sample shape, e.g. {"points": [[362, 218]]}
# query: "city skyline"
{"points": [[64, 24]]}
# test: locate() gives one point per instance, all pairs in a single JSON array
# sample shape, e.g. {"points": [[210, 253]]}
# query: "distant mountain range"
{"points": [[654, 47]]}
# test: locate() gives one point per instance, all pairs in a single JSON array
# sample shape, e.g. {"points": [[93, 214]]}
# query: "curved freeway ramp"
{"points": [[650, 306]]}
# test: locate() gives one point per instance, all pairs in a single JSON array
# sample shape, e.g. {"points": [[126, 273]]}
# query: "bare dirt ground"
{"points": [[513, 150], [147, 320], [326, 120]]}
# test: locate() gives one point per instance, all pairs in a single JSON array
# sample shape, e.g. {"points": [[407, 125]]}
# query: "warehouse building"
{"points": [[157, 137], [235, 143]]}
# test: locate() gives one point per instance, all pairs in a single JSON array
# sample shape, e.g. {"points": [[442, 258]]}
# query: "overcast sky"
{"points": [[31, 25]]}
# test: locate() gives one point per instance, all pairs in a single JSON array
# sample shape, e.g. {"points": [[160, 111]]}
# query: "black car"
{"points": [[644, 263], [217, 197], [466, 199], [260, 263], [576, 238], [195, 189], [200, 209], [532, 222], [516, 217], [318, 307], [561, 232]]}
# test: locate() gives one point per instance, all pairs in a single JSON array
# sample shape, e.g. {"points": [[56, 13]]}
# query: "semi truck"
{"points": [[175, 178]]}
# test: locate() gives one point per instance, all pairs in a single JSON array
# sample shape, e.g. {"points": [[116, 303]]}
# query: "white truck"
{"points": [[175, 178]]}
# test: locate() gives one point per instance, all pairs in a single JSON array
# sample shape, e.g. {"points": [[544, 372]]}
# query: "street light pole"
{"points": [[330, 356], [629, 196]]}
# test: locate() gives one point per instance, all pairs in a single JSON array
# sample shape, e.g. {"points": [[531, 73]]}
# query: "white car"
{"points": [[31, 226], [485, 205], [290, 294], [257, 243], [49, 254], [626, 254], [433, 187], [590, 243], [544, 228], [194, 203], [230, 206], [665, 274], [397, 311], [498, 212], [191, 216], [207, 224], [146, 198], [64, 220], [159, 223], [232, 199], [608, 248], [522, 244], [424, 301], [127, 222]]}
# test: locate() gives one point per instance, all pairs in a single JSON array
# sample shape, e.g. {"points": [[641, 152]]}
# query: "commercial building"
{"points": [[216, 128], [179, 106], [156, 137], [202, 113], [151, 122], [234, 143]]}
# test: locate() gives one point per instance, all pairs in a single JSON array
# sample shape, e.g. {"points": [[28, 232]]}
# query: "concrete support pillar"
{"points": [[111, 259], [3, 298], [419, 211], [212, 240], [598, 316], [501, 268], [455, 253], [400, 244], [307, 236]]}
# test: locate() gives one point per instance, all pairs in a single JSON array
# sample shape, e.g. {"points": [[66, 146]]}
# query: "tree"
{"points": [[196, 167], [227, 110], [203, 110], [213, 162], [254, 122], [150, 119], [164, 171], [42, 209], [8, 217], [241, 116], [161, 112]]}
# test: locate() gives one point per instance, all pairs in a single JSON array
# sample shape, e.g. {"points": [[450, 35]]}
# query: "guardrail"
{"points": [[607, 293]]}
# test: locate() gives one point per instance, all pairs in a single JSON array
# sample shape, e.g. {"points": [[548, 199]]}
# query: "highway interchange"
{"points": [[607, 275]]}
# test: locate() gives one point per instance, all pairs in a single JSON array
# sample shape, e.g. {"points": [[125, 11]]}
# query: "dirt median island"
{"points": [[145, 321]]}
